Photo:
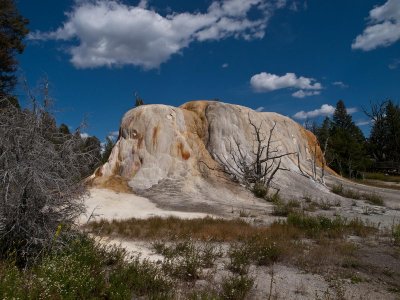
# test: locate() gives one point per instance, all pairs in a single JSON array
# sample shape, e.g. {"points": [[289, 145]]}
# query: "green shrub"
{"points": [[347, 193], [236, 287], [337, 189], [260, 190], [240, 257], [265, 251], [284, 209], [183, 261], [396, 234], [374, 199]]}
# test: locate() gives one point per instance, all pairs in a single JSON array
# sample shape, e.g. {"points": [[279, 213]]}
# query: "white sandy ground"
{"points": [[110, 205]]}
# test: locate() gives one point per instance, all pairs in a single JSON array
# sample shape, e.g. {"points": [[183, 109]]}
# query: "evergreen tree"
{"points": [[346, 143], [384, 140], [12, 31], [341, 119], [393, 131]]}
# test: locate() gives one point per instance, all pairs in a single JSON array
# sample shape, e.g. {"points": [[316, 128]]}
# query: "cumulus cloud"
{"points": [[324, 110], [225, 65], [110, 33], [383, 29], [267, 82]]}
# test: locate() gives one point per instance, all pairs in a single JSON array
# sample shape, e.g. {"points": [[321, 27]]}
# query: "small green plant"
{"points": [[183, 261], [260, 190], [209, 254], [324, 205], [274, 198], [240, 256], [347, 193], [374, 199], [282, 209], [337, 189], [396, 234], [236, 287], [265, 251]]}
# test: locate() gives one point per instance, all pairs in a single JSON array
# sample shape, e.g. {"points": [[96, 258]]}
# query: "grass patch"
{"points": [[382, 177], [320, 226], [283, 209], [347, 193], [373, 198]]}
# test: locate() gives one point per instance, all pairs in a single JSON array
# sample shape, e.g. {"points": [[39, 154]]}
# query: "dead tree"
{"points": [[255, 169], [41, 192]]}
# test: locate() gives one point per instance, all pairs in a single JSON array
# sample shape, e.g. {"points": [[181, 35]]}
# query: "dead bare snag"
{"points": [[255, 169], [41, 191]]}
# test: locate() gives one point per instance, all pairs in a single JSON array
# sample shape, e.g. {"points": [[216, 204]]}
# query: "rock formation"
{"points": [[170, 147]]}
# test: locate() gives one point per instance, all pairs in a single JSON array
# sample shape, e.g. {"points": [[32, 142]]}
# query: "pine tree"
{"points": [[384, 140], [393, 131], [347, 143], [341, 119], [12, 31]]}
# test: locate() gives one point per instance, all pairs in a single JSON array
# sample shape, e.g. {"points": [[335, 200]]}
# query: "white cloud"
{"points": [[302, 94], [110, 33], [84, 135], [351, 110], [267, 82], [340, 84], [225, 65], [113, 134], [259, 109], [383, 29], [324, 110]]}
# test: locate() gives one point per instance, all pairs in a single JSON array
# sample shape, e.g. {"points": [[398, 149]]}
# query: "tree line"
{"points": [[349, 152]]}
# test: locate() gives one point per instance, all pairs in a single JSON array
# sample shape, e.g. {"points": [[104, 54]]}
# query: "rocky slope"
{"points": [[173, 151]]}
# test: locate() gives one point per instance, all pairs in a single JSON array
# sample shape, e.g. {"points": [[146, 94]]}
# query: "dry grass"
{"points": [[173, 228], [298, 225]]}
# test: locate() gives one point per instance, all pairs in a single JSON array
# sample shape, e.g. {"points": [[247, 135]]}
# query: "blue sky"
{"points": [[297, 58]]}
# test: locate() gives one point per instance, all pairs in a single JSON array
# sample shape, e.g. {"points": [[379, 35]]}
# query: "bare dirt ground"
{"points": [[374, 275]]}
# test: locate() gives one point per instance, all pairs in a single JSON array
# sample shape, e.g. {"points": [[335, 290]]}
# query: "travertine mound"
{"points": [[161, 145]]}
